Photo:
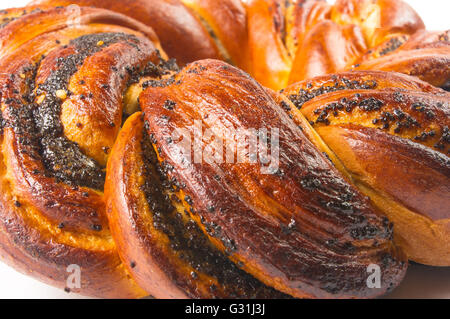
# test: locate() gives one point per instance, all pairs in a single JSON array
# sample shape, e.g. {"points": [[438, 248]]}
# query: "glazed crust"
{"points": [[282, 42], [189, 30], [391, 133], [351, 29], [181, 34], [291, 41], [227, 22], [309, 226], [169, 257], [271, 61], [53, 214], [245, 213]]}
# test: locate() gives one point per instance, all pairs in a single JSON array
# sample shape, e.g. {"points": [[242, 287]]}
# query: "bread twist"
{"points": [[391, 132], [61, 96], [89, 95], [279, 227], [282, 42]]}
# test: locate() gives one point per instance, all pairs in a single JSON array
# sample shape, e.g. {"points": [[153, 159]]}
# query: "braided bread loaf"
{"points": [[391, 134], [283, 42], [61, 111], [89, 95]]}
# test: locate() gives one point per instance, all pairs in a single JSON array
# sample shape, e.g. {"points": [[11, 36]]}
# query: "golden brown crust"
{"points": [[71, 75], [53, 214], [378, 19], [290, 41], [301, 17], [271, 62], [168, 255], [227, 22], [352, 30], [391, 133], [328, 47], [412, 189], [252, 208], [127, 209], [429, 64], [282, 42], [182, 35]]}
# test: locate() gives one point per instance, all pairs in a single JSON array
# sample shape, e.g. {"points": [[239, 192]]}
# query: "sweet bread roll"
{"points": [[61, 96], [189, 30], [391, 133], [282, 42], [92, 175], [166, 251], [302, 228]]}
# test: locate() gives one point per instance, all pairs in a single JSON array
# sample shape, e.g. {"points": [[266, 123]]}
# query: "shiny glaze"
{"points": [[66, 91], [167, 252], [281, 42], [181, 33], [52, 218], [303, 213], [391, 132]]}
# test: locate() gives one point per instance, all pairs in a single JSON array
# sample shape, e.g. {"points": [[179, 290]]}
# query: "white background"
{"points": [[420, 281]]}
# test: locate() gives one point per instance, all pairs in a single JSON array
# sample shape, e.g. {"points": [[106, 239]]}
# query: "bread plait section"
{"points": [[53, 108]]}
